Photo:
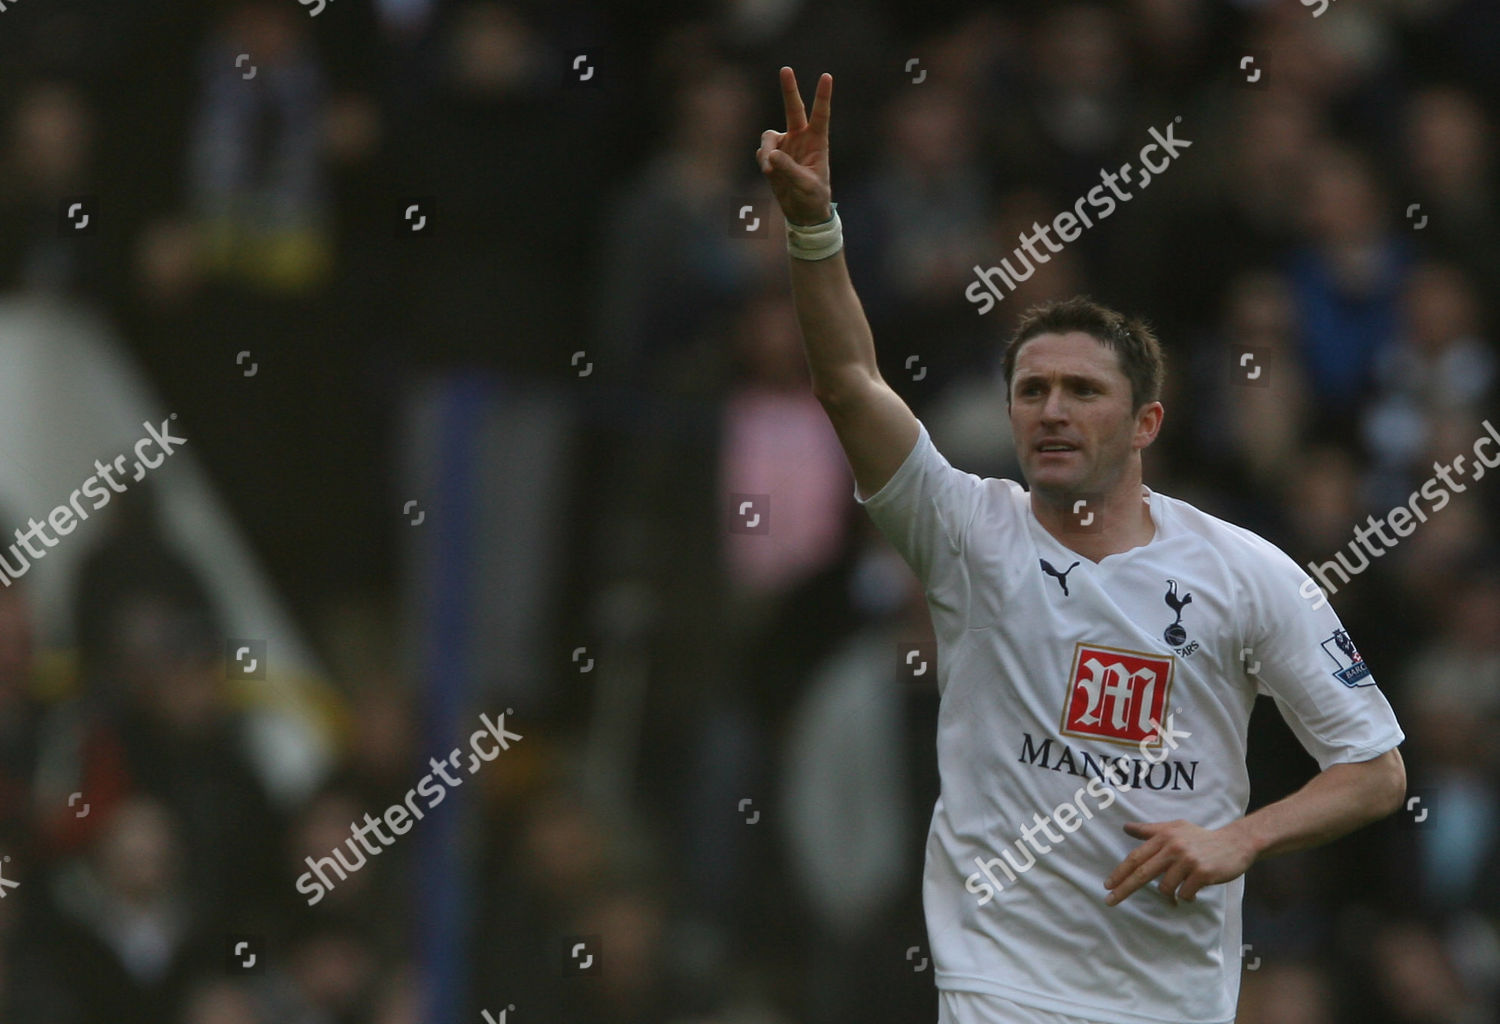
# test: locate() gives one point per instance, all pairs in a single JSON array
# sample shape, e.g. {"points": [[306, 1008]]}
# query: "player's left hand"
{"points": [[1186, 857]]}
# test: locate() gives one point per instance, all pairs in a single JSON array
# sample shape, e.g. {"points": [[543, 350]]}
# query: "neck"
{"points": [[1102, 525]]}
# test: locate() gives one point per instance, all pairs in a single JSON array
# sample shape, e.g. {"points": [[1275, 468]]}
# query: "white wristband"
{"points": [[815, 241]]}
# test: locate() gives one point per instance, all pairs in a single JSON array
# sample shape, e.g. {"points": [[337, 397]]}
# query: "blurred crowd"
{"points": [[730, 807]]}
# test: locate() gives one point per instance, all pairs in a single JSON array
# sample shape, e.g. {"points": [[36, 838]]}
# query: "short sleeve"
{"points": [[1306, 661], [925, 510]]}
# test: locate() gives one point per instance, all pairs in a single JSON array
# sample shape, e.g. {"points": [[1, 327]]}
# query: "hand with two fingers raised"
{"points": [[795, 161]]}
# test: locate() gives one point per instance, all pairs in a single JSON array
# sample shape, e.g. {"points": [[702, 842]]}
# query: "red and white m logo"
{"points": [[1115, 695]]}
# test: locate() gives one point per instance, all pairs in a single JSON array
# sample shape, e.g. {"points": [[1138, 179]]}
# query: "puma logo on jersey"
{"points": [[1062, 577]]}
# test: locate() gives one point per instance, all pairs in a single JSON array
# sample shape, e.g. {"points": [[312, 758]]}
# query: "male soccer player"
{"points": [[1100, 647]]}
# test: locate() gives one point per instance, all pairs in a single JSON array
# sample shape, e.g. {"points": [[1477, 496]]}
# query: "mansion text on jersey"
{"points": [[1114, 770]]}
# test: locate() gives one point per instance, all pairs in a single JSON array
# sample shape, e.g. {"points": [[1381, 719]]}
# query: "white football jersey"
{"points": [[1077, 696]]}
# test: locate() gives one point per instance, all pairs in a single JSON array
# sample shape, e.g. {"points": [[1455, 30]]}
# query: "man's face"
{"points": [[1070, 411]]}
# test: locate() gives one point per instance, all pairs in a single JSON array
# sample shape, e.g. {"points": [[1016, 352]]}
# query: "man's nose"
{"points": [[1055, 408]]}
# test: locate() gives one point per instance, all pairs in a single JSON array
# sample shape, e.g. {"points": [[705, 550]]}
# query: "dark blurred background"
{"points": [[488, 454]]}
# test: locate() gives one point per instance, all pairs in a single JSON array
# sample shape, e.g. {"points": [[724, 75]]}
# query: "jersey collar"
{"points": [[1159, 519]]}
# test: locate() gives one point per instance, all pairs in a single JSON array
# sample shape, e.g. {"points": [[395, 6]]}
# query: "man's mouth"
{"points": [[1055, 447]]}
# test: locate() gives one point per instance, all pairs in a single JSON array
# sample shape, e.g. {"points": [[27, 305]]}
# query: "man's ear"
{"points": [[1148, 424]]}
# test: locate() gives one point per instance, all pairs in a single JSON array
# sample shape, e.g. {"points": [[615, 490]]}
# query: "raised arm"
{"points": [[874, 425]]}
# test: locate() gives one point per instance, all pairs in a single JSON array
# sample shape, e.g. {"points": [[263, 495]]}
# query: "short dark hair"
{"points": [[1129, 338]]}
